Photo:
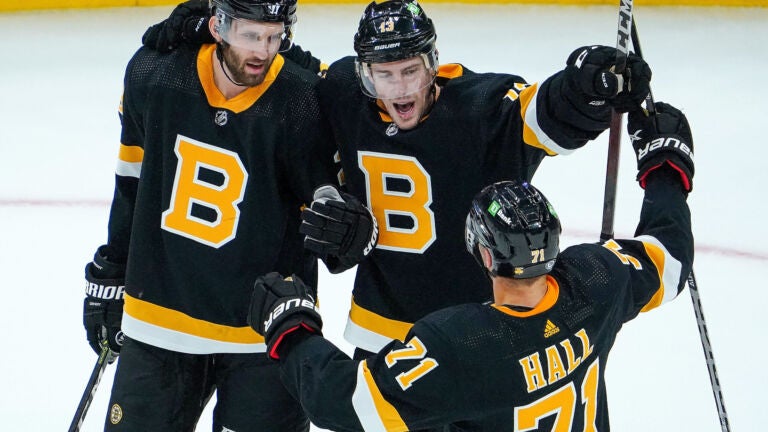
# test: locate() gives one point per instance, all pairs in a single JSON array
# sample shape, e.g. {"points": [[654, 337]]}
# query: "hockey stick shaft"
{"points": [[708, 354], [105, 357], [693, 288], [614, 134]]}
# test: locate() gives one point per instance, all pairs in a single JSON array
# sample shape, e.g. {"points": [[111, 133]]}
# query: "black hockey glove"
{"points": [[103, 305], [187, 23], [589, 72], [305, 59], [667, 140], [338, 228], [282, 308]]}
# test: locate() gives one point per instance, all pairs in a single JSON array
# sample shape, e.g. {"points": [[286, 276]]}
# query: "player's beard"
{"points": [[236, 65]]}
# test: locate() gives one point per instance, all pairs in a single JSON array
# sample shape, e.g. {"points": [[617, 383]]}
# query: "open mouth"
{"points": [[404, 110], [254, 68]]}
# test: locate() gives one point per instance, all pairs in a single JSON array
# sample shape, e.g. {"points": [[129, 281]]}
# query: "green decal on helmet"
{"points": [[494, 208]]}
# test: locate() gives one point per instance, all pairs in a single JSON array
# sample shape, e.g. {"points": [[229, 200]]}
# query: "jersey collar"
{"points": [[546, 303], [244, 100]]}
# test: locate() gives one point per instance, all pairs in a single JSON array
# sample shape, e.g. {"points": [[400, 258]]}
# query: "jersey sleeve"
{"points": [[310, 159], [557, 121], [650, 269], [128, 169], [665, 232], [408, 385]]}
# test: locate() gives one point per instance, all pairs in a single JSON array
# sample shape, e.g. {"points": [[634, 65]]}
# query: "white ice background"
{"points": [[60, 81]]}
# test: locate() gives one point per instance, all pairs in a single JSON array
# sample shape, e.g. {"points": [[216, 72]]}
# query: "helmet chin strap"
{"points": [[220, 56], [432, 95]]}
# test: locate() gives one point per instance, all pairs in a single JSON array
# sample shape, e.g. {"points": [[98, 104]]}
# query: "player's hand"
{"points": [[187, 23], [337, 224], [282, 308], [590, 71], [667, 140], [103, 303]]}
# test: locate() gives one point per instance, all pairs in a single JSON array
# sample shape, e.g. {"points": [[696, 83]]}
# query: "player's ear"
{"points": [[213, 26], [486, 254]]}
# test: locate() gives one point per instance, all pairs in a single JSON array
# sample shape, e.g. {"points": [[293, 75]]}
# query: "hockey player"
{"points": [[417, 140], [537, 353], [221, 146]]}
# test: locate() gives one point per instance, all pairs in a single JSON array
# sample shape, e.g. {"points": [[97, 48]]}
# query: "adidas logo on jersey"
{"points": [[550, 329]]}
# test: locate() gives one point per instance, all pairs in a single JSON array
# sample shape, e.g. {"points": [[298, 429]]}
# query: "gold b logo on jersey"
{"points": [[209, 184], [406, 223]]}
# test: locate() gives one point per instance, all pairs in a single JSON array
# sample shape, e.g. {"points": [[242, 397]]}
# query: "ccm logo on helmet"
{"points": [[288, 304], [663, 142], [104, 292]]}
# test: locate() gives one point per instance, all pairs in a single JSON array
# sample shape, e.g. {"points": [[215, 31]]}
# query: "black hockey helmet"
{"points": [[394, 30], [275, 11], [519, 227], [283, 11], [390, 31]]}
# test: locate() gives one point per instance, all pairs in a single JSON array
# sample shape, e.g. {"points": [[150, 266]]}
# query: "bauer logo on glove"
{"points": [[662, 139]]}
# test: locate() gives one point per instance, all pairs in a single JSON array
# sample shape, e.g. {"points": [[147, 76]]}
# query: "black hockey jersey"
{"points": [[208, 195], [542, 369], [419, 183]]}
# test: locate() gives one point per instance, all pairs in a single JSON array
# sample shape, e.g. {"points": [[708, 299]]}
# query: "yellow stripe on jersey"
{"points": [[130, 153], [385, 327], [668, 268], [180, 322], [129, 161], [244, 100], [533, 135], [373, 411]]}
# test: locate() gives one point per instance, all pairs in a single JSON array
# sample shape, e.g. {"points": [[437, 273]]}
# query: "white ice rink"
{"points": [[60, 80]]}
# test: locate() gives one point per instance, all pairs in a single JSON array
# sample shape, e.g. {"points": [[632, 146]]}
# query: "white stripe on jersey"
{"points": [[532, 121], [182, 342], [365, 406], [670, 270], [363, 338], [128, 169]]}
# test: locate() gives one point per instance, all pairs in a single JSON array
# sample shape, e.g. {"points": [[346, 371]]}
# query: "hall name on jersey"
{"points": [[560, 360]]}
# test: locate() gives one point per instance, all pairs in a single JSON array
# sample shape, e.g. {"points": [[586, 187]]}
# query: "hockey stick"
{"points": [[614, 137], [717, 392], [693, 289], [106, 356]]}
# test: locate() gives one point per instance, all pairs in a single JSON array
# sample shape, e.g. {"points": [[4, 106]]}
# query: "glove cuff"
{"points": [[105, 267], [666, 149], [289, 338]]}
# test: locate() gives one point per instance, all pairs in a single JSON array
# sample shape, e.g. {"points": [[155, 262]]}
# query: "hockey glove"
{"points": [[103, 305], [338, 228], [282, 308], [668, 140], [590, 73], [187, 23]]}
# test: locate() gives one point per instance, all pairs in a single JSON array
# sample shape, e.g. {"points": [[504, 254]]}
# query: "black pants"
{"points": [[160, 390]]}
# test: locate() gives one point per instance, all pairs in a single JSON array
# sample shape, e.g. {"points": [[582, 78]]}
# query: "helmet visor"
{"points": [[251, 35], [397, 79]]}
